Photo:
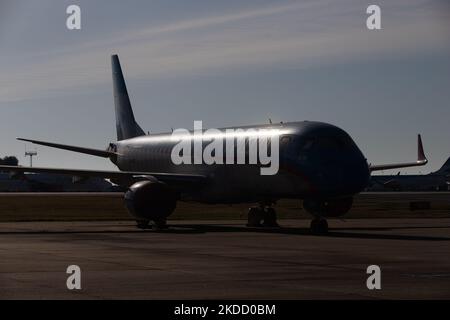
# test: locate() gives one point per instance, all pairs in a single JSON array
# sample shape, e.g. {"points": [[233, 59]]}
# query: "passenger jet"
{"points": [[318, 163]]}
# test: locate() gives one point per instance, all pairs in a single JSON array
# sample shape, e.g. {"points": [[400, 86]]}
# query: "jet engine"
{"points": [[150, 200], [330, 208]]}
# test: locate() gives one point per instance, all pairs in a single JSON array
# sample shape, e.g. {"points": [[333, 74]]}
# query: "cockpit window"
{"points": [[325, 143], [308, 144], [285, 141], [344, 141]]}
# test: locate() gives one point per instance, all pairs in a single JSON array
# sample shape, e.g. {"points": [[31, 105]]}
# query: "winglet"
{"points": [[420, 153]]}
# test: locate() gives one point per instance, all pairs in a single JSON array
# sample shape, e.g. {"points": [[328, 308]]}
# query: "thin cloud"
{"points": [[250, 40]]}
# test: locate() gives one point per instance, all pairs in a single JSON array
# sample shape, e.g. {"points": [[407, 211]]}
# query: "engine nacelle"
{"points": [[150, 200], [330, 208]]}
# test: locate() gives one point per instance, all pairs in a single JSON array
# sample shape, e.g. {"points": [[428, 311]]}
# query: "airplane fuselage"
{"points": [[316, 160]]}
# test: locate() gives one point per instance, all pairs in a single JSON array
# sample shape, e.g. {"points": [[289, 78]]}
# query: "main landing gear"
{"points": [[319, 226], [143, 224], [262, 216], [160, 224]]}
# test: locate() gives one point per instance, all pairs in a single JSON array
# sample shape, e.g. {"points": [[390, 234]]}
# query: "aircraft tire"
{"points": [[160, 224], [319, 226], [255, 216], [143, 224], [270, 218]]}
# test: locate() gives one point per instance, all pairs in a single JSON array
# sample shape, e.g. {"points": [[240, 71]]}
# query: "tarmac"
{"points": [[226, 260]]}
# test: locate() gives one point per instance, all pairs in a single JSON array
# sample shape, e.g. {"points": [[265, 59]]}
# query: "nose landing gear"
{"points": [[262, 216], [330, 208], [319, 226]]}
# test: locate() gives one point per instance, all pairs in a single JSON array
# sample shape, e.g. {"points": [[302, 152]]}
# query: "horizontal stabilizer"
{"points": [[92, 152]]}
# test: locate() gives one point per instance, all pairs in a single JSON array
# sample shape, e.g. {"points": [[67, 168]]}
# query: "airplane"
{"points": [[434, 181], [53, 183], [319, 163]]}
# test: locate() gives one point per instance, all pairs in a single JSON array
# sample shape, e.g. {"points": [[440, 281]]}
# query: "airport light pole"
{"points": [[31, 154]]}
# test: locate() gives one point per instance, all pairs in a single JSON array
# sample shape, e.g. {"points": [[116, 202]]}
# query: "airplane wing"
{"points": [[126, 177], [421, 160]]}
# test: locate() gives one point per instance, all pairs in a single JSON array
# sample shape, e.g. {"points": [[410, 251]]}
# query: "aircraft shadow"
{"points": [[352, 232], [335, 233]]}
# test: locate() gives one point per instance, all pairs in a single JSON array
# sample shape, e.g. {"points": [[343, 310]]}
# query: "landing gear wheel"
{"points": [[160, 224], [143, 224], [270, 218], [255, 217], [319, 226]]}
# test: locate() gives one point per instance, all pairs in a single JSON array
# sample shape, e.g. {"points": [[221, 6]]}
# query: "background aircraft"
{"points": [[319, 163], [43, 182], [435, 181]]}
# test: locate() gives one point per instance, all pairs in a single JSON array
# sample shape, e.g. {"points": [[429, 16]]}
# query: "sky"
{"points": [[226, 63]]}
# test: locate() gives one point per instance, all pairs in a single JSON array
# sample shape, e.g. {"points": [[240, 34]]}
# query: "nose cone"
{"points": [[332, 162], [343, 176], [356, 176]]}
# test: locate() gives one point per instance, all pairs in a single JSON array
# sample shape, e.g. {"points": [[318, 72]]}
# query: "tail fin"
{"points": [[126, 125], [445, 169]]}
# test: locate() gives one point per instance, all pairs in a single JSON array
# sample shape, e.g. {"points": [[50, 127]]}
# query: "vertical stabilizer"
{"points": [[445, 169], [126, 125]]}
